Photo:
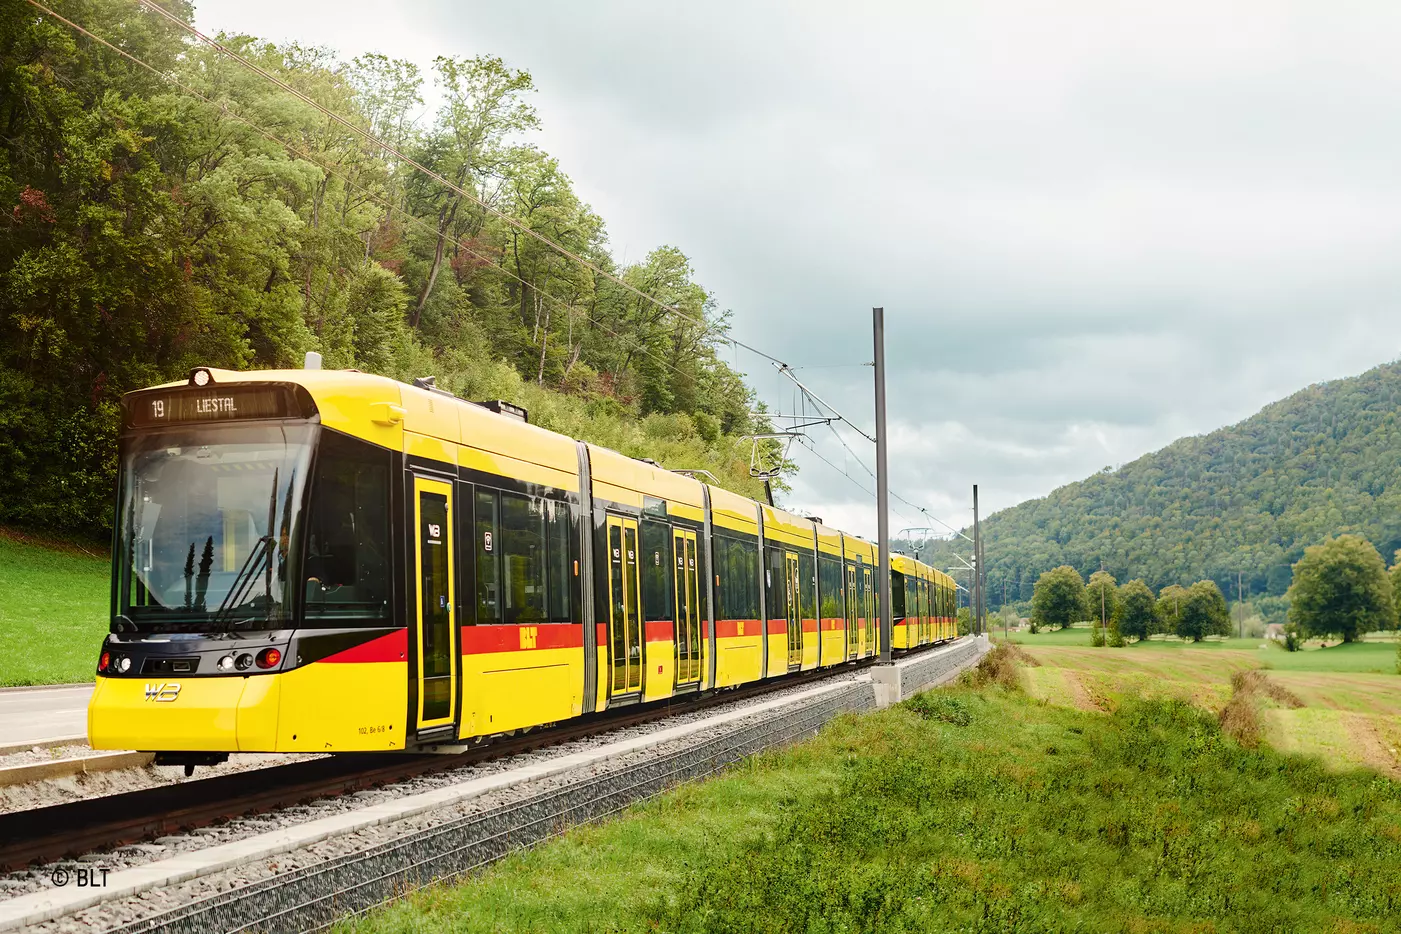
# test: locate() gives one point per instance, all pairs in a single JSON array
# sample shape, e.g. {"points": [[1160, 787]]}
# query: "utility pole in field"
{"points": [[1240, 602]]}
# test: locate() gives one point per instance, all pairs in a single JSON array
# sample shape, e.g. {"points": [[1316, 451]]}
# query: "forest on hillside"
{"points": [[1238, 504], [194, 213]]}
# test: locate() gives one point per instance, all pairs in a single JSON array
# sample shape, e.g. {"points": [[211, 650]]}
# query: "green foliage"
{"points": [[1203, 613], [1138, 616], [1341, 588], [1028, 817], [1246, 498], [1168, 608], [963, 619], [940, 705], [1394, 575], [146, 232], [1059, 598]]}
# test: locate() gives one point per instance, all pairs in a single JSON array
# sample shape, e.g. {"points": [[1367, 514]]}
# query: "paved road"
{"points": [[28, 716]]}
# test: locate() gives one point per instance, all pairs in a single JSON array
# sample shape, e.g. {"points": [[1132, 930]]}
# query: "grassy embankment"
{"points": [[980, 808], [53, 610]]}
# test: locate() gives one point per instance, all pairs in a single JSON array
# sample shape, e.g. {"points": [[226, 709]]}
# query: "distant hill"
{"points": [[1247, 498]]}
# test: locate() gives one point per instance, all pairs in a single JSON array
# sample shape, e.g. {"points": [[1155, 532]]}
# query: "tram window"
{"points": [[487, 546], [347, 534], [720, 556], [776, 604], [748, 577], [829, 572], [897, 594], [560, 522], [807, 570], [523, 558], [658, 597], [737, 564]]}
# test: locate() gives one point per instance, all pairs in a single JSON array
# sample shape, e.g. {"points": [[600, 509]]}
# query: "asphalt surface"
{"points": [[32, 715]]}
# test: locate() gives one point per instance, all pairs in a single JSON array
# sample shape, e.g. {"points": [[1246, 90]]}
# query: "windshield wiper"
{"points": [[259, 556], [245, 579]]}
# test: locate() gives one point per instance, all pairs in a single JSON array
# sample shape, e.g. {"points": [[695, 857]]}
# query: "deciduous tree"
{"points": [[1204, 612], [1138, 618], [1169, 606], [1058, 598], [1341, 588]]}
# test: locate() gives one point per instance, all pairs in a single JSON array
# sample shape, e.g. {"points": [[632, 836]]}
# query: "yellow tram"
{"points": [[330, 561]]}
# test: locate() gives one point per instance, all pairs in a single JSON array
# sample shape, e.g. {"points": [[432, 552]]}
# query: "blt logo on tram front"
{"points": [[164, 692]]}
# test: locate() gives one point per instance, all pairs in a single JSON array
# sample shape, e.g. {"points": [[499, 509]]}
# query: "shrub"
{"points": [[934, 705]]}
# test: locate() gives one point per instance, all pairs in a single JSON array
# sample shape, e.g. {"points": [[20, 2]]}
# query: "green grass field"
{"points": [[53, 612], [971, 810], [1349, 696], [1375, 653]]}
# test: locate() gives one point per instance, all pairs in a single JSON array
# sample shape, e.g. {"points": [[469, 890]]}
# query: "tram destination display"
{"points": [[209, 404]]}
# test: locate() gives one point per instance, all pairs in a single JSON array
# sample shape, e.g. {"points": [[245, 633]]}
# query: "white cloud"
{"points": [[1094, 226]]}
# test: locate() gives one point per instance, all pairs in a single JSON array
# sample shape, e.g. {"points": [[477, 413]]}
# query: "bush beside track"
{"points": [[971, 809]]}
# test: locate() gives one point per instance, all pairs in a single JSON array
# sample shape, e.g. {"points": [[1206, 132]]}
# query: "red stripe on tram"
{"points": [[490, 638], [390, 647], [660, 630]]}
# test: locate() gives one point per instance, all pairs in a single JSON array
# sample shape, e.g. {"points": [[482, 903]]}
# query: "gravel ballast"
{"points": [[580, 794]]}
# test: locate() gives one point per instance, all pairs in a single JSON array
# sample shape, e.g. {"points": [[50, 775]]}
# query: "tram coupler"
{"points": [[191, 759]]}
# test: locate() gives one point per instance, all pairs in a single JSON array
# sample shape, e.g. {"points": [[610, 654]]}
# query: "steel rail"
{"points": [[74, 829]]}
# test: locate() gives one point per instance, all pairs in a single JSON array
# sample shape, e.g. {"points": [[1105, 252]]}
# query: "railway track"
{"points": [[77, 828]]}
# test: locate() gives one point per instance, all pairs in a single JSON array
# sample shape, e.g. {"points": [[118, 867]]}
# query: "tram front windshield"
{"points": [[206, 520]]}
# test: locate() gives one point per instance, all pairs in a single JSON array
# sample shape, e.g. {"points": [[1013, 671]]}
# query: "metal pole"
{"points": [[887, 625], [982, 582], [977, 595]]}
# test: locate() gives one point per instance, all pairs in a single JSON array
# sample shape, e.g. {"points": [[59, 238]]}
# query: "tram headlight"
{"points": [[268, 658], [244, 662], [226, 663], [124, 664], [201, 377]]}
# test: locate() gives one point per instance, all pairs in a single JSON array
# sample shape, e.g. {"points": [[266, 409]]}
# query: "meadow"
{"points": [[54, 610], [1345, 699], [979, 808]]}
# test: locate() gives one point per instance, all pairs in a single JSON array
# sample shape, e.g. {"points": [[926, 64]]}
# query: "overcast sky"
{"points": [[1095, 227]]}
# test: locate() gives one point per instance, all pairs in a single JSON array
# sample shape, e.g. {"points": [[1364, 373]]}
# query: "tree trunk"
{"points": [[544, 342], [445, 219]]}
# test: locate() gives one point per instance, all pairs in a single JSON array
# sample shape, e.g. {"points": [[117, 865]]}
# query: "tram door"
{"points": [[924, 614], [793, 588], [851, 611], [688, 631], [438, 659], [867, 607], [624, 606]]}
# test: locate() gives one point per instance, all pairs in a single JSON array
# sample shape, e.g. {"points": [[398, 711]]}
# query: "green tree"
{"points": [[1058, 598], [483, 104], [1204, 612], [144, 231], [1138, 617], [1168, 609], [1341, 588]]}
